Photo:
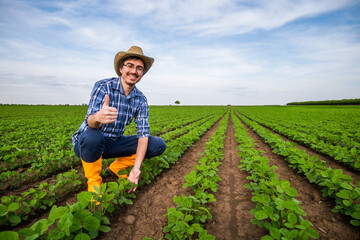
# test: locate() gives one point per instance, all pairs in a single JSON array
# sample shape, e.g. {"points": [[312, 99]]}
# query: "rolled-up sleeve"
{"points": [[142, 119]]}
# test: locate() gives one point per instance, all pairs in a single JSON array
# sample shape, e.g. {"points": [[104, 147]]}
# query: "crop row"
{"points": [[84, 219], [276, 207], [333, 182], [186, 221]]}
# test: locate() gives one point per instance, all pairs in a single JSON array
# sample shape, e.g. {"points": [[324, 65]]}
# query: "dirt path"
{"points": [[231, 217], [318, 209], [145, 217]]}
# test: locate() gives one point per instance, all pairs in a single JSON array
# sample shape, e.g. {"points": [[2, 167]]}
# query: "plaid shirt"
{"points": [[133, 106]]}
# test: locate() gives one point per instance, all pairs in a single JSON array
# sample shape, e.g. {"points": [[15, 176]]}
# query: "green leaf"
{"points": [[76, 225], [292, 218], [15, 220], [188, 218], [347, 186], [105, 220], [306, 223], [268, 210], [291, 205], [356, 214], [284, 231], [344, 194], [56, 213], [267, 237], [94, 234], [5, 148], [190, 230], [275, 217], [27, 232], [197, 227], [293, 234], [3, 210], [312, 233], [91, 223], [260, 215], [55, 234], [13, 207], [82, 236], [65, 223], [291, 192], [356, 223], [104, 228], [123, 172], [9, 235], [280, 203], [84, 197], [275, 233], [347, 203], [40, 226]]}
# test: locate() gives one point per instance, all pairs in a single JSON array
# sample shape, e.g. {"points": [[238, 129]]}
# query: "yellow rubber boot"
{"points": [[122, 163], [92, 173]]}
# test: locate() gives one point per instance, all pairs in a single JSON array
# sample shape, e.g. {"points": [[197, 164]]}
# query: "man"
{"points": [[114, 102]]}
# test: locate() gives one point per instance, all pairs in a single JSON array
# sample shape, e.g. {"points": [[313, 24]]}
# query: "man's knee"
{"points": [[161, 145], [91, 144], [156, 147]]}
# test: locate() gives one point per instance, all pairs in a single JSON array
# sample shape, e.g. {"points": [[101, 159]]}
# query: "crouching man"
{"points": [[114, 103]]}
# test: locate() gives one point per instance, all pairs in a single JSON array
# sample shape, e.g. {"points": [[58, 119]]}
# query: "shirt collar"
{"points": [[118, 86]]}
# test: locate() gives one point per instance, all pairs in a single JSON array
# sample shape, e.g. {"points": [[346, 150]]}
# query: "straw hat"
{"points": [[133, 51]]}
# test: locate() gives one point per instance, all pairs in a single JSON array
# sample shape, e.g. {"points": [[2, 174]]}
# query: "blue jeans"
{"points": [[91, 145]]}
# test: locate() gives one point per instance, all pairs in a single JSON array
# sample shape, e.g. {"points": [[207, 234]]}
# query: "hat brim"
{"points": [[120, 56]]}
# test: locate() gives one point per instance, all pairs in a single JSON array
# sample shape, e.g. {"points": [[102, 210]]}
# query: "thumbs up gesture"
{"points": [[107, 114]]}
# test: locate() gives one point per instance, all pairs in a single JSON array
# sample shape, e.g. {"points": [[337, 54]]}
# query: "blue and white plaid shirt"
{"points": [[133, 106]]}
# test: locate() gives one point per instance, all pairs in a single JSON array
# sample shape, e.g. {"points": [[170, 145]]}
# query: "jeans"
{"points": [[91, 145]]}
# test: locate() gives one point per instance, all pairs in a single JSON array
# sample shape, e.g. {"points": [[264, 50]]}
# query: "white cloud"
{"points": [[217, 18]]}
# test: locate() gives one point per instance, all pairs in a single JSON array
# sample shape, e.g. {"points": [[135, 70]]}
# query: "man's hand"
{"points": [[134, 177], [106, 114]]}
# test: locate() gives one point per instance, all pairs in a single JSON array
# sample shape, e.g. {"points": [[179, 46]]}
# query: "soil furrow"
{"points": [[317, 208], [231, 217], [145, 217]]}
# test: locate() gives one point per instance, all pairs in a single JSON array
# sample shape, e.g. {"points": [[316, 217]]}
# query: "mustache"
{"points": [[134, 74]]}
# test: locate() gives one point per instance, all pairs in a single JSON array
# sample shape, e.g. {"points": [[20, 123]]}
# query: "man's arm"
{"points": [[140, 155]]}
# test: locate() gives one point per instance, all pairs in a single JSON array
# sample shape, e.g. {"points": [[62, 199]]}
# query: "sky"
{"points": [[207, 52]]}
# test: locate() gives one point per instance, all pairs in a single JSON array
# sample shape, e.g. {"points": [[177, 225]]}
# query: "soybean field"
{"points": [[229, 172]]}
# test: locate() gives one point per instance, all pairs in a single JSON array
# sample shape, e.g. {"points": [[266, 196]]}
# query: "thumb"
{"points": [[107, 100]]}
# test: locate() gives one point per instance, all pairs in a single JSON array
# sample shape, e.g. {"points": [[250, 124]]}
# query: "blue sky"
{"points": [[207, 52]]}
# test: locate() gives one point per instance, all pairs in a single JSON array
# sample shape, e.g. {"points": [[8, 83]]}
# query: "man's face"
{"points": [[132, 71]]}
